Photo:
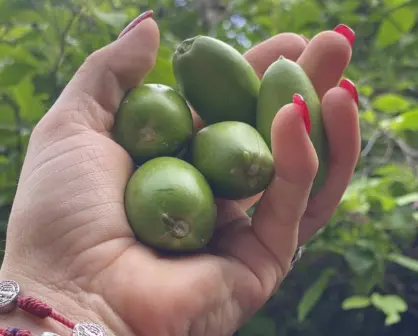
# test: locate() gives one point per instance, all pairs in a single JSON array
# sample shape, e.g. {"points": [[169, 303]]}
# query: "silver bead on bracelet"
{"points": [[10, 299]]}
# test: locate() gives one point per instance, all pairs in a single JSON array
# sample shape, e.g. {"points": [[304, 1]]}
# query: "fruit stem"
{"points": [[186, 45], [178, 227]]}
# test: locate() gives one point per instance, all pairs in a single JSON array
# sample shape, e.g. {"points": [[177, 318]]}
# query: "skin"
{"points": [[69, 243]]}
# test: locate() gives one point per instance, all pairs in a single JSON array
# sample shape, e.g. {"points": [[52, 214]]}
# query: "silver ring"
{"points": [[297, 256]]}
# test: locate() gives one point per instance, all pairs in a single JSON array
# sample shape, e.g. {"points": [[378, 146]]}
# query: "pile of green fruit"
{"points": [[170, 198]]}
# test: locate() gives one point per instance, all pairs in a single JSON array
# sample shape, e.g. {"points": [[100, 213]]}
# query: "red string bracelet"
{"points": [[10, 299]]}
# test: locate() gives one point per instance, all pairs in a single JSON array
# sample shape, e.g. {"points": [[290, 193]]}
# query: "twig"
{"points": [[366, 151], [62, 41], [18, 122]]}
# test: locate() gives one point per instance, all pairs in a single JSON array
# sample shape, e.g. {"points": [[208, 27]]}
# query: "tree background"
{"points": [[358, 275]]}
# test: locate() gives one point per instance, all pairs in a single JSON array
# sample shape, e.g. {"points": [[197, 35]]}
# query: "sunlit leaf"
{"points": [[115, 19], [12, 74], [389, 304], [392, 318], [313, 294], [405, 261], [391, 29], [405, 121], [407, 199], [390, 103], [356, 302]]}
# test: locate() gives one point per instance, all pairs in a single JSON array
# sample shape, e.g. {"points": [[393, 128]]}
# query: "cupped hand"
{"points": [[69, 242]]}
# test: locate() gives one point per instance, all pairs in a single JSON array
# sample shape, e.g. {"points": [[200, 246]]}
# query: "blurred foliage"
{"points": [[359, 274]]}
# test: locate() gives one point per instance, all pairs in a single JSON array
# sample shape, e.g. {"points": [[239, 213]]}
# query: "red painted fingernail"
{"points": [[304, 112], [351, 88], [135, 22], [347, 32]]}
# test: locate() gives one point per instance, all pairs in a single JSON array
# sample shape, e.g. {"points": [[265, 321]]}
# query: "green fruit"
{"points": [[280, 82], [170, 206], [217, 80], [153, 120], [234, 158]]}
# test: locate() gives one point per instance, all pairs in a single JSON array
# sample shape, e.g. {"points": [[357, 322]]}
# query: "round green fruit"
{"points": [[280, 82], [234, 158], [170, 206], [216, 80], [153, 120]]}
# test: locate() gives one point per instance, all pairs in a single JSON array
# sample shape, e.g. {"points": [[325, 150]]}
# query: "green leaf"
{"points": [[360, 259], [31, 105], [392, 319], [405, 121], [368, 116], [395, 26], [356, 302], [407, 199], [402, 260], [313, 294], [163, 71], [114, 19], [390, 103], [12, 74], [259, 326], [17, 54], [389, 304]]}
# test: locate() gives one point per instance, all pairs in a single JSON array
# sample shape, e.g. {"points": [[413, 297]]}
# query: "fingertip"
{"points": [[261, 56], [325, 59], [341, 121], [292, 149], [335, 45], [136, 22], [134, 55]]}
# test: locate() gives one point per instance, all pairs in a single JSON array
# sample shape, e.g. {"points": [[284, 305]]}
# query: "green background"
{"points": [[359, 275]]}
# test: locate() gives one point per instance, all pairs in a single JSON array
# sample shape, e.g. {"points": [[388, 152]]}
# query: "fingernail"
{"points": [[304, 112], [135, 22], [351, 88], [347, 32]]}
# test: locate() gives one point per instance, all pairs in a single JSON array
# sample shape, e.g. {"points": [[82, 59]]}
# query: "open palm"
{"points": [[68, 225]]}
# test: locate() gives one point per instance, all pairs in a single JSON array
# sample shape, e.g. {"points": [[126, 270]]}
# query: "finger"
{"points": [[268, 246], [107, 74], [264, 54], [326, 57], [340, 115], [281, 207]]}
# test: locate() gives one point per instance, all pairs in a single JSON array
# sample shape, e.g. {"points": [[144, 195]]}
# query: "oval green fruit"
{"points": [[234, 158], [170, 206], [280, 82], [153, 120], [217, 80]]}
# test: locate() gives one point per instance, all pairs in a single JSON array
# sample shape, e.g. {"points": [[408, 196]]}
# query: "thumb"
{"points": [[93, 95]]}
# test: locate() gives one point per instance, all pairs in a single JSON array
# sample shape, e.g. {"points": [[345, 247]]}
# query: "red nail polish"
{"points": [[135, 22], [304, 112], [351, 88], [347, 32]]}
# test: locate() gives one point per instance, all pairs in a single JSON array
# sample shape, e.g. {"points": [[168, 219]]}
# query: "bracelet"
{"points": [[10, 299]]}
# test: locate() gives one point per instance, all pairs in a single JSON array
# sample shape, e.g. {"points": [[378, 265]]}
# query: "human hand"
{"points": [[69, 242]]}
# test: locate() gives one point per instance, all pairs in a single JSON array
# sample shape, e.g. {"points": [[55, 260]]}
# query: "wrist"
{"points": [[60, 302]]}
